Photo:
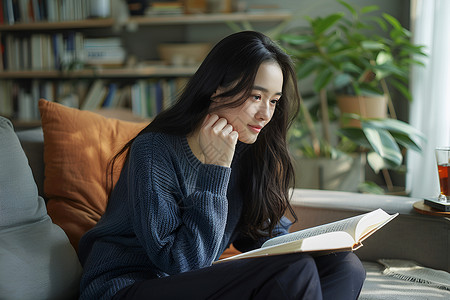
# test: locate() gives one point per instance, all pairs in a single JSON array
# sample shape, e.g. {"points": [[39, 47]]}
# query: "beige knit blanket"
{"points": [[411, 271]]}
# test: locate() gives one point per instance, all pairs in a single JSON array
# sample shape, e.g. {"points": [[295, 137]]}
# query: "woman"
{"points": [[212, 170]]}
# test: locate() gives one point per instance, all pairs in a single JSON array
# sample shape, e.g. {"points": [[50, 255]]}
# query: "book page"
{"points": [[372, 222], [347, 225], [328, 241], [359, 227]]}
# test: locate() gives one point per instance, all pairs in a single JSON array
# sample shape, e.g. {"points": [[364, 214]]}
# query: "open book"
{"points": [[343, 235]]}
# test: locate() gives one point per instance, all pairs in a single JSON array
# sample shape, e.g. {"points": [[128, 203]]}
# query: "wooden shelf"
{"points": [[35, 26], [153, 20], [148, 71], [211, 18]]}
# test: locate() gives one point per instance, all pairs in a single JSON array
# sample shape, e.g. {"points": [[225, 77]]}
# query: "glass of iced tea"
{"points": [[443, 163]]}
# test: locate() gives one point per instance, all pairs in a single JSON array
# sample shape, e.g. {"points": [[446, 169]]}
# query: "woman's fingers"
{"points": [[218, 140], [227, 129]]}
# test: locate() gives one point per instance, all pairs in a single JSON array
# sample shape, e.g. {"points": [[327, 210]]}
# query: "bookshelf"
{"points": [[23, 84]]}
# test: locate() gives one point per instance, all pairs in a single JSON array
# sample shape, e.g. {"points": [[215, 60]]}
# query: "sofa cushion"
{"points": [[36, 259], [77, 148], [32, 141], [19, 201]]}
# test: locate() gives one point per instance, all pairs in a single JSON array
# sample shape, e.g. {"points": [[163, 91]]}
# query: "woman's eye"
{"points": [[256, 97], [274, 101]]}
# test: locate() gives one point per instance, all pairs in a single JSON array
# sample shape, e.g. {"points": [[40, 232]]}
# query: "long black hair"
{"points": [[265, 168]]}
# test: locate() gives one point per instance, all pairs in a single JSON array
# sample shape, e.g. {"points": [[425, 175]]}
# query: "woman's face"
{"points": [[249, 118]]}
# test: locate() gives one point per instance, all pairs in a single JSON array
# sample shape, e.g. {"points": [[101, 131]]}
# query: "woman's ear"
{"points": [[213, 104], [218, 91]]}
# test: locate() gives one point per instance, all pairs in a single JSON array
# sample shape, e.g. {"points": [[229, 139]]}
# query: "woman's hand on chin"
{"points": [[217, 140]]}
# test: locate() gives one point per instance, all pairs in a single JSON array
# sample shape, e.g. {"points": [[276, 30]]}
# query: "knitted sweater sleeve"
{"points": [[179, 231]]}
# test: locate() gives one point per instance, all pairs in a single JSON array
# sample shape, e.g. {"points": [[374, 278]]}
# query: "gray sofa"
{"points": [[37, 260], [411, 237]]}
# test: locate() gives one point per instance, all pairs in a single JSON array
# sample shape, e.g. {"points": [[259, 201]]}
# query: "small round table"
{"points": [[422, 208]]}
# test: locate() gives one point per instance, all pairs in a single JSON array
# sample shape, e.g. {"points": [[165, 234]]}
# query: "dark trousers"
{"points": [[292, 276]]}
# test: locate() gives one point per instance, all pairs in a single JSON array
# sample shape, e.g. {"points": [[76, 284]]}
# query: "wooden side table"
{"points": [[422, 208]]}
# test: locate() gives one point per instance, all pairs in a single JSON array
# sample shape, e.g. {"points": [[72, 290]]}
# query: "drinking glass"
{"points": [[443, 164]]}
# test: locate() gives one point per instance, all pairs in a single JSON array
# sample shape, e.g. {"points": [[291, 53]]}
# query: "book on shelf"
{"points": [[165, 8], [112, 90], [8, 14], [70, 100], [27, 109], [41, 51], [117, 100], [27, 11], [95, 96], [344, 235], [104, 51], [150, 96], [2, 54]]}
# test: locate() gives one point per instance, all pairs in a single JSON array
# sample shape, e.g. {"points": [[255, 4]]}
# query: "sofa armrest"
{"points": [[413, 236]]}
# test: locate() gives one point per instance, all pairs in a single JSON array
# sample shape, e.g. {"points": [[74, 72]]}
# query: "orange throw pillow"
{"points": [[77, 148]]}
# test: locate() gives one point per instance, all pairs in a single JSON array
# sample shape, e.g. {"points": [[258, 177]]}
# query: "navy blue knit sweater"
{"points": [[168, 214]]}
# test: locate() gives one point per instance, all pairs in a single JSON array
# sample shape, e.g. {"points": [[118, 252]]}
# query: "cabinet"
{"points": [[27, 74]]}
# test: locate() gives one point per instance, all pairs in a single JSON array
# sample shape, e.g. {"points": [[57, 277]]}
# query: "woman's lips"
{"points": [[255, 128]]}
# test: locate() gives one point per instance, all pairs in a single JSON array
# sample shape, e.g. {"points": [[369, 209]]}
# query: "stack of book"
{"points": [[165, 8], [104, 51]]}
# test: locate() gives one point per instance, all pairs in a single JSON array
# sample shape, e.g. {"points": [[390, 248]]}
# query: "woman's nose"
{"points": [[264, 111]]}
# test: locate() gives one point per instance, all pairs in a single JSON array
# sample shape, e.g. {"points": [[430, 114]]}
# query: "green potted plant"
{"points": [[356, 57]]}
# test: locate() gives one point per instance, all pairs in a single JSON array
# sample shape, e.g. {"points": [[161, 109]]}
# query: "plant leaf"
{"points": [[377, 163], [407, 142], [323, 79], [350, 67], [402, 89], [387, 69], [384, 144], [372, 45], [393, 21], [368, 90], [306, 68], [383, 57], [356, 135], [380, 23], [323, 24], [368, 9], [342, 80], [349, 7], [371, 188], [294, 39], [394, 125]]}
